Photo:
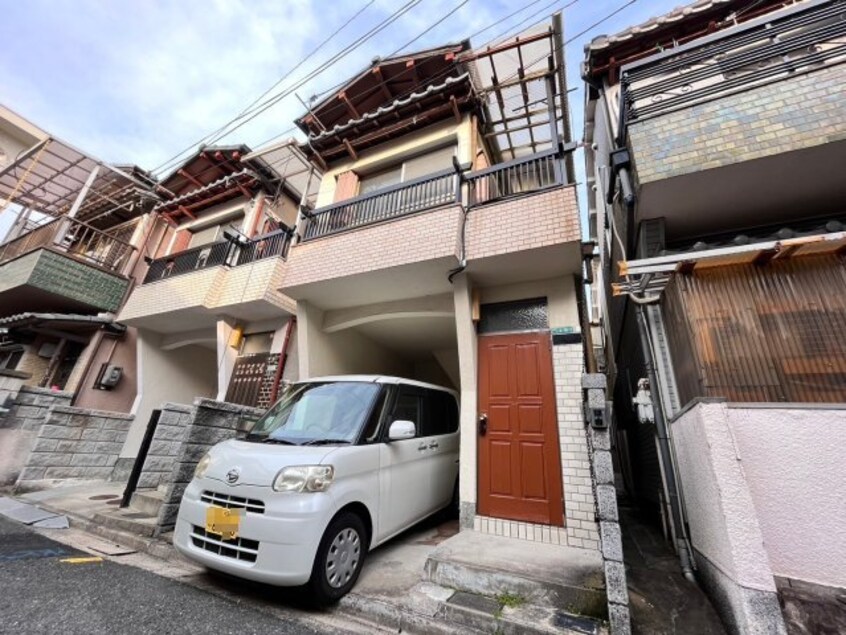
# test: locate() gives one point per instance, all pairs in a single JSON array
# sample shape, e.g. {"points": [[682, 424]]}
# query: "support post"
{"points": [[77, 204]]}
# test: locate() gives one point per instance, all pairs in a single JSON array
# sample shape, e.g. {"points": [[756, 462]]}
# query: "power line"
{"points": [[268, 103], [340, 55], [224, 130], [302, 61]]}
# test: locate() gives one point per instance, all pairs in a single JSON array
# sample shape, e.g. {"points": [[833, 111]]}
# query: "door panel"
{"points": [[519, 460]]}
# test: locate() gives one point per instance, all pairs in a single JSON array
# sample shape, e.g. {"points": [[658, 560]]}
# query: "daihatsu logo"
{"points": [[233, 475]]}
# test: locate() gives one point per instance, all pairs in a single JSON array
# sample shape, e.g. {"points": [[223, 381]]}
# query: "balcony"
{"points": [[192, 288], [743, 128], [399, 242], [64, 265]]}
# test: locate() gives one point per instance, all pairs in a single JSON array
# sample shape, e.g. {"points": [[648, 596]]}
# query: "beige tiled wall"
{"points": [[529, 222], [409, 239]]}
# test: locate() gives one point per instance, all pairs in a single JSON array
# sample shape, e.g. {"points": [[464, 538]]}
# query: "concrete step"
{"points": [[430, 609], [127, 520], [147, 502], [535, 574], [490, 615]]}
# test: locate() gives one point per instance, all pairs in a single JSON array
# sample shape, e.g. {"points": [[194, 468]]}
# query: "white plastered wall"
{"points": [[343, 352], [792, 457], [177, 375]]}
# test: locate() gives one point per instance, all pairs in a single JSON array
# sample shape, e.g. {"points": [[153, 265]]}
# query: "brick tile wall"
{"points": [[795, 113], [579, 501], [401, 241], [212, 288], [528, 222]]}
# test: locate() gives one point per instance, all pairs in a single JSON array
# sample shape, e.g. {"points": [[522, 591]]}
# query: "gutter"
{"points": [[682, 542]]}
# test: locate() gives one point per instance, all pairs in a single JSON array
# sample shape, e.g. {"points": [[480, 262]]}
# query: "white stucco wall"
{"points": [[340, 353], [722, 517], [793, 461], [178, 375]]}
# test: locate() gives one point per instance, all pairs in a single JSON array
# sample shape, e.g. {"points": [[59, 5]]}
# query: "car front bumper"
{"points": [[275, 547]]}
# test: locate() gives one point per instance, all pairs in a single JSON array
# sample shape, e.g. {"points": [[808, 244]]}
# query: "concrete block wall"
{"points": [[527, 222], [795, 113], [210, 422], [174, 421], [75, 443], [27, 411], [607, 513]]}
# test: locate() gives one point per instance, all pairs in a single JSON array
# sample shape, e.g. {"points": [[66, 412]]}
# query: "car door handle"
{"points": [[434, 445], [421, 447]]}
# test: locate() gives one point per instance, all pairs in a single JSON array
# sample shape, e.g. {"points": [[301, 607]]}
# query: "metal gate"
{"points": [[252, 380]]}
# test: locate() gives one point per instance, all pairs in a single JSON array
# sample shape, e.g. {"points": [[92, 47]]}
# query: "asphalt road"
{"points": [[42, 592]]}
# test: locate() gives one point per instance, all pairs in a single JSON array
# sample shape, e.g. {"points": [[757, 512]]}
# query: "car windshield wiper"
{"points": [[279, 441], [326, 441]]}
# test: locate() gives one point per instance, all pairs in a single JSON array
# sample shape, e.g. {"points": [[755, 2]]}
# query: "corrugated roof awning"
{"points": [[61, 320], [651, 275], [48, 177]]}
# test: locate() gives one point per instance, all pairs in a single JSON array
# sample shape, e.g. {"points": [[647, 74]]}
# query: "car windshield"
{"points": [[317, 413]]}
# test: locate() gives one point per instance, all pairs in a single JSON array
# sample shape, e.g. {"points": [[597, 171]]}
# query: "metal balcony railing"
{"points": [[226, 252], [78, 239], [433, 190], [514, 178]]}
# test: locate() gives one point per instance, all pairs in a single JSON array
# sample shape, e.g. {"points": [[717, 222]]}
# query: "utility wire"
{"points": [[323, 67], [254, 110], [443, 73], [293, 69]]}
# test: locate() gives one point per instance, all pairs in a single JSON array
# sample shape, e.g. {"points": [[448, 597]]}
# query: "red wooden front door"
{"points": [[519, 461]]}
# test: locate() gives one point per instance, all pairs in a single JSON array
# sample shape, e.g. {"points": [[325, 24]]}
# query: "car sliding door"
{"points": [[406, 467], [440, 429]]}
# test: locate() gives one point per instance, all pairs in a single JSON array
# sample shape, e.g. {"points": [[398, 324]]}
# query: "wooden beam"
{"points": [[383, 86], [471, 55], [187, 212], [189, 177], [410, 65], [343, 97], [350, 149], [455, 111]]}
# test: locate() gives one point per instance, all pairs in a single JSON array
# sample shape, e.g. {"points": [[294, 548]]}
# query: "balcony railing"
{"points": [[74, 237], [520, 176], [433, 190], [505, 180], [227, 252]]}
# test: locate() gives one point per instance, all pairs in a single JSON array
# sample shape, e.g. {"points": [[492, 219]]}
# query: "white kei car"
{"points": [[336, 467]]}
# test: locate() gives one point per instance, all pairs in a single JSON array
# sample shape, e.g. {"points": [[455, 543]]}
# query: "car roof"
{"points": [[379, 379]]}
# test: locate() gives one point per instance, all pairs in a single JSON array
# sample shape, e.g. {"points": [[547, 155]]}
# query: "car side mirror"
{"points": [[401, 429]]}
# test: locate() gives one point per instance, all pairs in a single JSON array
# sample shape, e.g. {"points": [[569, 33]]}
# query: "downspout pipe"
{"points": [[663, 439]]}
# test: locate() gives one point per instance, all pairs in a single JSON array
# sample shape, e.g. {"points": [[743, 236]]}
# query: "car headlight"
{"points": [[202, 466], [304, 478]]}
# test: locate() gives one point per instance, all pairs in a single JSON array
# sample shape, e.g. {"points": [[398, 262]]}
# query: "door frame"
{"points": [[556, 501]]}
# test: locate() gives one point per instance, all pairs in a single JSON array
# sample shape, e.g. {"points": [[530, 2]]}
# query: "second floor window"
{"points": [[408, 170]]}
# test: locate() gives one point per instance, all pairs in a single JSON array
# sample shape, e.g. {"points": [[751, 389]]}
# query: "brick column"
{"points": [[579, 502]]}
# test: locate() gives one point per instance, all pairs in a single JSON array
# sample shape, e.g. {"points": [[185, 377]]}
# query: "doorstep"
{"points": [[435, 580]]}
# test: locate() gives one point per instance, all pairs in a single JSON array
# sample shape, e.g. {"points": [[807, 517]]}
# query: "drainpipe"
{"points": [[459, 180], [682, 543]]}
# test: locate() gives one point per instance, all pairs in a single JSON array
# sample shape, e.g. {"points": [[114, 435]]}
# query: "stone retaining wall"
{"points": [[19, 427], [75, 443], [174, 422], [210, 422], [611, 538]]}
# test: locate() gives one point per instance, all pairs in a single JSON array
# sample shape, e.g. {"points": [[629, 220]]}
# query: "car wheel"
{"points": [[339, 559]]}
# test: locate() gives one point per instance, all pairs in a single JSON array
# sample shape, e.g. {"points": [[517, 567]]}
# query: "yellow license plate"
{"points": [[223, 522]]}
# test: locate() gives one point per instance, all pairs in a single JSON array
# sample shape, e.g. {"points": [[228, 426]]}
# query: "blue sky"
{"points": [[139, 81]]}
